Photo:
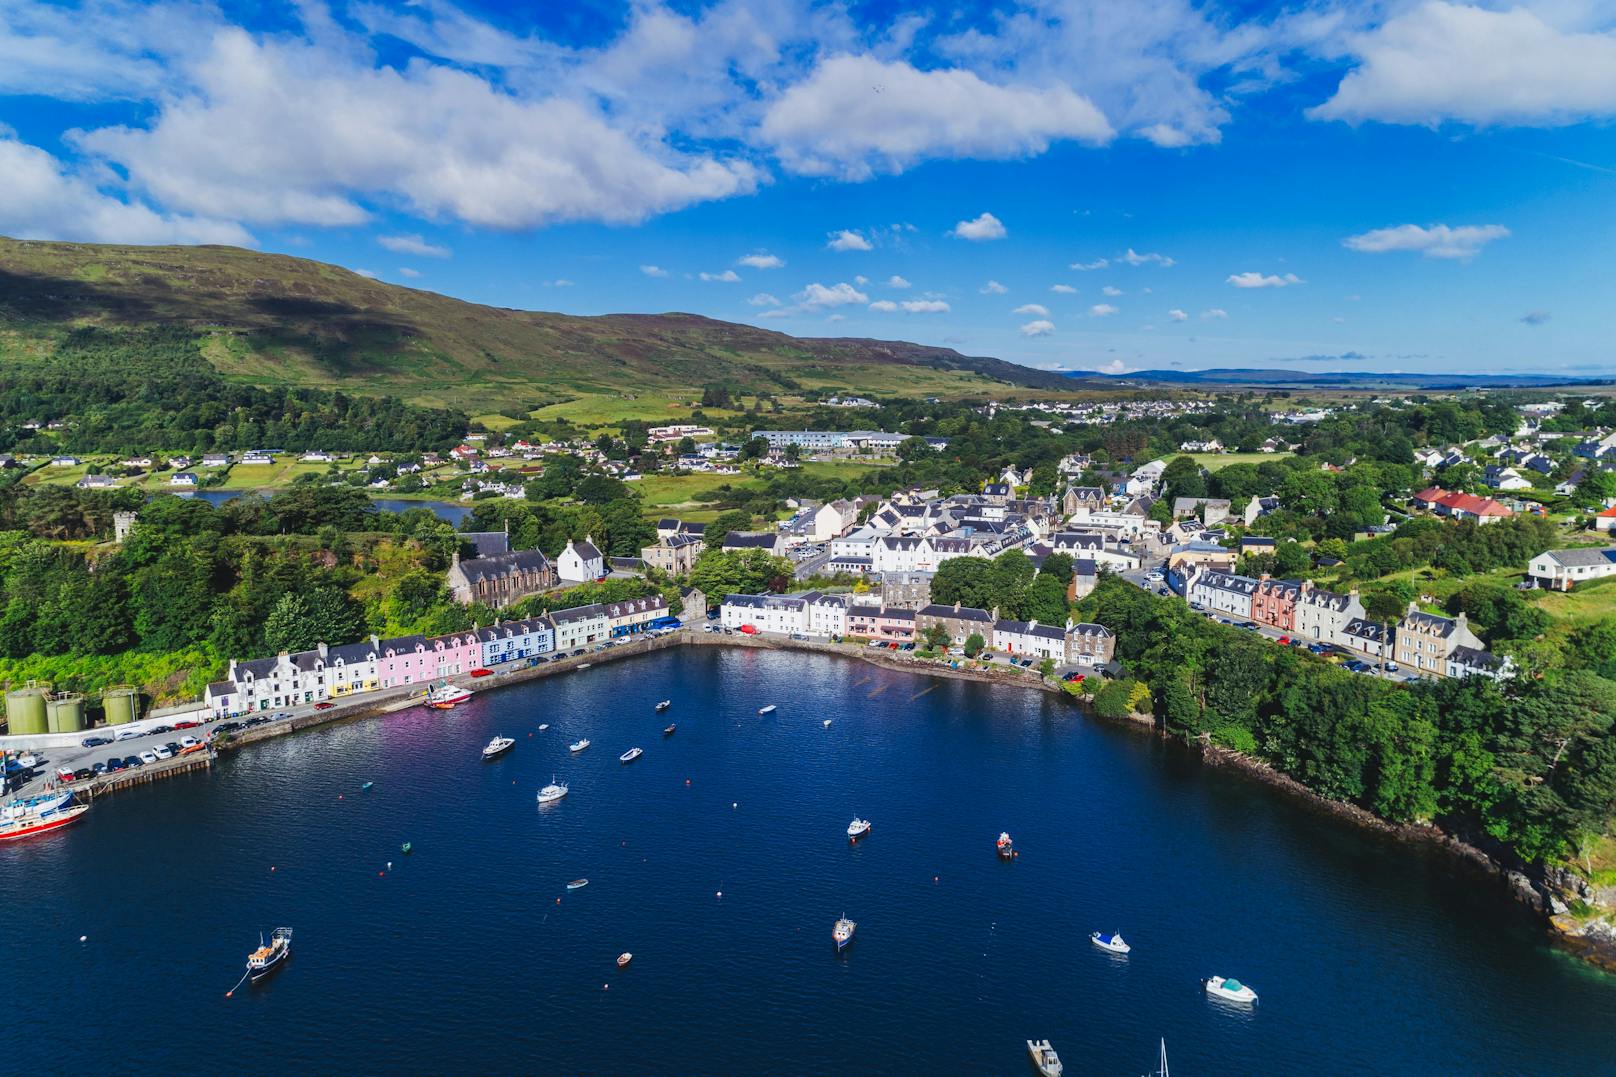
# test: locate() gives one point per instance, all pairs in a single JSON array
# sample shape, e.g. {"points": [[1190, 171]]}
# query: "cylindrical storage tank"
{"points": [[25, 711], [120, 703], [65, 713]]}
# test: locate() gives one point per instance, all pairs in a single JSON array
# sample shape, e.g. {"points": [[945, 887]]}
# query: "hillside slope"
{"points": [[273, 319]]}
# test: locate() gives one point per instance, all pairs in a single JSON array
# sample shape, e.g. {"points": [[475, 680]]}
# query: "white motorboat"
{"points": [[1045, 1058], [766, 710], [498, 746], [1229, 989], [1110, 940], [28, 760], [552, 792], [842, 933], [630, 755], [664, 705], [578, 746], [447, 694], [543, 726], [858, 828], [1005, 847]]}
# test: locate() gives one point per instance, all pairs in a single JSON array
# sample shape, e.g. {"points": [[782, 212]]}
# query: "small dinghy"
{"points": [[543, 726], [766, 710], [577, 884], [664, 705], [1109, 940], [827, 723], [579, 746], [1045, 1058], [405, 848], [668, 732], [631, 755], [623, 959], [366, 787], [1229, 989]]}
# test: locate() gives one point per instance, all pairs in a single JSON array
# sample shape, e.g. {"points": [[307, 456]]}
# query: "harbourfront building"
{"points": [[500, 579], [1222, 592]]}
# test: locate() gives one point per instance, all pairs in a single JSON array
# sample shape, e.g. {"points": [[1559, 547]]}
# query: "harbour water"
{"points": [[470, 955], [444, 510]]}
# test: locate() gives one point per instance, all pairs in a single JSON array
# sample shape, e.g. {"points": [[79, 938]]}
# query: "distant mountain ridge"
{"points": [[1346, 379], [276, 319]]}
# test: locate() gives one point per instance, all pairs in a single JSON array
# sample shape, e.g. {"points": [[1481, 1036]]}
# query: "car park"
{"points": [[99, 766], [163, 751], [133, 761]]}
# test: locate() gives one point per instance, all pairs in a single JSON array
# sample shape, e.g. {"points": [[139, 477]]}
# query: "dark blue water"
{"points": [[1370, 958], [444, 510]]}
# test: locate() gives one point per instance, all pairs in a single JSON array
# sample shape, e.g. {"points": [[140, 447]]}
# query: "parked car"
{"points": [[116, 763], [82, 773], [1284, 641], [99, 767], [163, 751], [94, 742], [161, 729], [186, 725], [130, 734], [1389, 667], [173, 747], [474, 673], [322, 706], [188, 742], [1317, 648], [133, 761], [148, 756]]}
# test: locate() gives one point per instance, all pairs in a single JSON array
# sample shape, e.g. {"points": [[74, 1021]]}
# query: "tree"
{"points": [[724, 523], [1044, 601], [793, 452], [974, 643], [935, 637], [1009, 576], [1057, 566], [962, 580]]}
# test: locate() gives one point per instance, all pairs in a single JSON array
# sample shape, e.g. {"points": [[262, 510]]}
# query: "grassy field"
{"points": [[1593, 601], [1217, 461], [665, 494]]}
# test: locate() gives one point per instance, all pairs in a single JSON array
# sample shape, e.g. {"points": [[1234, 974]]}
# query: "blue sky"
{"points": [[1072, 184]]}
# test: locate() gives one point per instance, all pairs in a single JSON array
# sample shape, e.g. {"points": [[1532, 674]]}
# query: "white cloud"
{"points": [[847, 240], [837, 318], [1110, 291], [782, 313], [1258, 280], [560, 282], [857, 116], [44, 199], [1134, 258], [861, 280], [1176, 315], [653, 271], [1435, 241], [1443, 61], [762, 261], [817, 295], [729, 276], [1102, 310], [1085, 267], [369, 274], [896, 281], [1535, 317], [413, 244], [406, 271], [1115, 366], [993, 287], [1032, 308], [925, 306], [987, 226], [764, 299], [886, 306], [1041, 328], [1063, 289], [1212, 313]]}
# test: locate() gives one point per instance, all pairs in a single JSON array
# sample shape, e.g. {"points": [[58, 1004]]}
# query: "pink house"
{"points": [[456, 655], [405, 660], [881, 623]]}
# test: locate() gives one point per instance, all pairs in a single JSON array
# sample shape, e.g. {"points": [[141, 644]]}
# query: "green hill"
{"points": [[274, 320]]}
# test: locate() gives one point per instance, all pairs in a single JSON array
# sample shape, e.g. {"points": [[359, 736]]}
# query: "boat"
{"points": [[766, 710], [543, 726], [1109, 940], [630, 755], [1006, 847], [1044, 1057], [577, 884], [668, 732], [26, 817], [1162, 1071], [584, 665], [579, 745], [267, 958], [552, 792], [1229, 989], [624, 958], [446, 693], [497, 746], [827, 723], [858, 828], [842, 933], [405, 848], [366, 787], [664, 705]]}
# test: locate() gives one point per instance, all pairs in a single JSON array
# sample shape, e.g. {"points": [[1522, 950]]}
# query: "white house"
{"points": [[577, 627], [1029, 639], [1324, 615], [580, 562], [827, 615], [1223, 592], [766, 613], [1561, 570], [183, 478]]}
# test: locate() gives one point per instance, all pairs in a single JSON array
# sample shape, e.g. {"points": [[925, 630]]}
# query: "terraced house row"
{"points": [[335, 672]]}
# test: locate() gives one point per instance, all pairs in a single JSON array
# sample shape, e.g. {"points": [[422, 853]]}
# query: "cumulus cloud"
{"points": [[729, 276], [1214, 313], [1535, 317], [987, 226], [847, 240], [1102, 310], [1063, 289], [1258, 280], [1040, 328], [1176, 315], [1115, 366], [816, 295], [1134, 258], [406, 271], [925, 306], [896, 281], [1032, 308], [993, 287], [761, 261], [856, 116], [884, 305], [764, 299], [1110, 291], [781, 313], [369, 274], [653, 271], [413, 244], [1444, 61], [861, 280], [45, 199], [1433, 241], [1085, 267]]}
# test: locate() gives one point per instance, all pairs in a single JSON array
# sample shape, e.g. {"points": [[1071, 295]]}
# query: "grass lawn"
{"points": [[1217, 461], [663, 491], [1592, 601], [608, 409]]}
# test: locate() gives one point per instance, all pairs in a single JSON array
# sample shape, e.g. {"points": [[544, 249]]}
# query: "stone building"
{"points": [[501, 579]]}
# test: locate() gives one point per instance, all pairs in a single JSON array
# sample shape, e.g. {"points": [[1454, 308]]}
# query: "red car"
{"points": [[482, 673], [186, 725], [750, 630], [324, 706], [1284, 641]]}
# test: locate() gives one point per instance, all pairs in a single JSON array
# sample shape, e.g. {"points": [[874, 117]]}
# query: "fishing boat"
{"points": [[578, 746], [767, 710], [1006, 847], [269, 957], [446, 693], [1045, 1058], [498, 746], [668, 732], [1229, 989], [405, 848], [552, 792], [623, 959], [27, 816], [1109, 940], [630, 755], [543, 726], [857, 828], [842, 933], [577, 884], [664, 705]]}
